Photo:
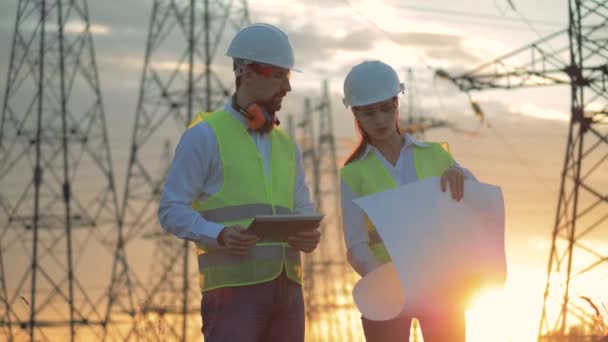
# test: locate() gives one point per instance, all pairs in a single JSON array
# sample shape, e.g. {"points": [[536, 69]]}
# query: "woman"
{"points": [[384, 159]]}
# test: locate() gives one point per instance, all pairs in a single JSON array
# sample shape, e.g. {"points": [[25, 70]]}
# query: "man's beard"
{"points": [[272, 105]]}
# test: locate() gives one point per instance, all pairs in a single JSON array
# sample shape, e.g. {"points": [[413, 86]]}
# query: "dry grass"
{"points": [[600, 318], [151, 326]]}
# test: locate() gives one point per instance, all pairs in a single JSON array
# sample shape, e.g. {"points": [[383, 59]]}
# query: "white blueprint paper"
{"points": [[378, 295], [441, 247]]}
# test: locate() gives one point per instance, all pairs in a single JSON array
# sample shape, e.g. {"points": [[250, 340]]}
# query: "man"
{"points": [[230, 166]]}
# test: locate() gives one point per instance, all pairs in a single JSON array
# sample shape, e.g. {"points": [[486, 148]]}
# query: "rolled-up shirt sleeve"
{"points": [[467, 174], [189, 170], [359, 255]]}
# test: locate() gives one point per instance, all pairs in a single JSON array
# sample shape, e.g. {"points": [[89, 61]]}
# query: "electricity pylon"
{"points": [[415, 123], [180, 77], [331, 314], [574, 260], [59, 205]]}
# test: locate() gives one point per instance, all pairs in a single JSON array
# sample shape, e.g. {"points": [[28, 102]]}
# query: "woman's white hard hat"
{"points": [[371, 82]]}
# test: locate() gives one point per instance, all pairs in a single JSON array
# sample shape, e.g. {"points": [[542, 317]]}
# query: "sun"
{"points": [[504, 315]]}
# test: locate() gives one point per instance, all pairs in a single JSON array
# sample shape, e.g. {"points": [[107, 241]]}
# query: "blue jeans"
{"points": [[447, 326], [271, 311]]}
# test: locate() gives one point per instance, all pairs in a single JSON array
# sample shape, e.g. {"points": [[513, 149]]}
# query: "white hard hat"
{"points": [[262, 43], [371, 82]]}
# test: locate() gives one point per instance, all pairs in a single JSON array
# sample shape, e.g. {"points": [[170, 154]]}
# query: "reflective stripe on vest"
{"points": [[260, 252], [247, 191], [368, 176]]}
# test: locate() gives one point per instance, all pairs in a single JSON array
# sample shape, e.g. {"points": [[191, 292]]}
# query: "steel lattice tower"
{"points": [[582, 206], [180, 77], [58, 205], [415, 123], [331, 314], [575, 261]]}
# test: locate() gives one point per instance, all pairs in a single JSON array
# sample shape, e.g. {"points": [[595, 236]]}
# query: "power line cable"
{"points": [[464, 21], [477, 15], [518, 158], [529, 24]]}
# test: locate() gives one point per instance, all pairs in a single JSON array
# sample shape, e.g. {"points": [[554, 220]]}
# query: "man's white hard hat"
{"points": [[263, 43]]}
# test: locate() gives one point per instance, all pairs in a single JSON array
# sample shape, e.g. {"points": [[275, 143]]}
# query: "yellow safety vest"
{"points": [[368, 175], [246, 192]]}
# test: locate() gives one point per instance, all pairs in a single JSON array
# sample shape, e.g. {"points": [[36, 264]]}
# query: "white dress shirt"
{"points": [[196, 173], [359, 254]]}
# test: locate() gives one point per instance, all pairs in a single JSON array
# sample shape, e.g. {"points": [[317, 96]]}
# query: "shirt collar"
{"points": [[240, 117], [232, 111], [409, 141]]}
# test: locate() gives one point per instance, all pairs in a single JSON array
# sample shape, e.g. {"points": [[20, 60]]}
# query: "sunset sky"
{"points": [[520, 147]]}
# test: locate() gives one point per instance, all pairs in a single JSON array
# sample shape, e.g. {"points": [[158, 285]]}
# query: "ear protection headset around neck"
{"points": [[258, 118]]}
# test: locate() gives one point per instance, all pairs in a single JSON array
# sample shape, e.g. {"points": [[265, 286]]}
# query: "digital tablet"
{"points": [[277, 228]]}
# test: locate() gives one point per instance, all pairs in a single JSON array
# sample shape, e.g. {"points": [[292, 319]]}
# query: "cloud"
{"points": [[532, 110], [438, 46], [311, 45], [79, 26], [326, 46], [426, 39], [359, 40], [323, 51]]}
